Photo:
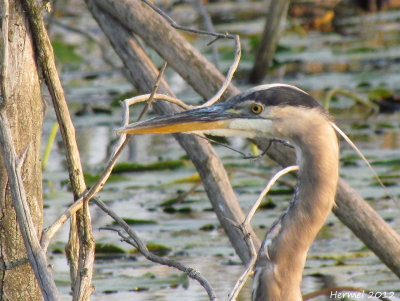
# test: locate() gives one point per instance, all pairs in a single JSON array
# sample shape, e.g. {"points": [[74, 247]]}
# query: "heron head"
{"points": [[259, 112]]}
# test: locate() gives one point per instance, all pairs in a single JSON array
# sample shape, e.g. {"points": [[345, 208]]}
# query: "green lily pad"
{"points": [[134, 167], [207, 227], [158, 249], [91, 179], [136, 222], [379, 94], [106, 248]]}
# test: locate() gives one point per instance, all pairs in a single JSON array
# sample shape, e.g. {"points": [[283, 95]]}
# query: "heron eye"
{"points": [[256, 108]]}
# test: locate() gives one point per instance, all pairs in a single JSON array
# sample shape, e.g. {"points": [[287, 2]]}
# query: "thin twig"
{"points": [[140, 245], [350, 94], [238, 51], [49, 232], [246, 223], [229, 76], [151, 97], [80, 250], [199, 7], [184, 28], [93, 38], [123, 140], [257, 203]]}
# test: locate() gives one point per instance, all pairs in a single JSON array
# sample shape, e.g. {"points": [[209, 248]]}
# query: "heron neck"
{"points": [[284, 250]]}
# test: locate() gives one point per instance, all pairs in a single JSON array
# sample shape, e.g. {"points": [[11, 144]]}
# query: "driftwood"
{"points": [[170, 45], [272, 31]]}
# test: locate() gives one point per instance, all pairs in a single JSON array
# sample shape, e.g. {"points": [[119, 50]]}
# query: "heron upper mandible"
{"points": [[284, 112]]}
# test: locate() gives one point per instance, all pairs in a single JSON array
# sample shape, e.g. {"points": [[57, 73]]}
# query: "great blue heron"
{"points": [[288, 113]]}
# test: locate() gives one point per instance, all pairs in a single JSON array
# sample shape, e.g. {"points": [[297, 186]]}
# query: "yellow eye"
{"points": [[256, 108]]}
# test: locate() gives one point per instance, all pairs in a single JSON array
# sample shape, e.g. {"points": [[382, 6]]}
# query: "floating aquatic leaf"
{"points": [[134, 167], [106, 248], [268, 204], [185, 210], [132, 221], [91, 179], [108, 292], [158, 249], [207, 227], [379, 94]]}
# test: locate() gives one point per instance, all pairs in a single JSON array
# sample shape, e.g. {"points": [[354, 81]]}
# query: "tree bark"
{"points": [[181, 55], [272, 31], [25, 114], [81, 246]]}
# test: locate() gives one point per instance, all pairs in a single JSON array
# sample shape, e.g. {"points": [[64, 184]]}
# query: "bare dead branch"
{"points": [[123, 140], [36, 255], [88, 35], [229, 76], [246, 223], [265, 192], [187, 29], [140, 245], [81, 262], [199, 7], [151, 97], [132, 16]]}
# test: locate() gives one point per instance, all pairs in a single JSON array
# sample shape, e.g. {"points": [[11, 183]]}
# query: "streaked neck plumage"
{"points": [[278, 272]]}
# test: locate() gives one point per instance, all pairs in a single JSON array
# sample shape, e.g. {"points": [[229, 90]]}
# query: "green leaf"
{"points": [[379, 94], [164, 165]]}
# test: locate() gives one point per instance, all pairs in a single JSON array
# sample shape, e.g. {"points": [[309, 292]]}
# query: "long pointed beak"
{"points": [[207, 118]]}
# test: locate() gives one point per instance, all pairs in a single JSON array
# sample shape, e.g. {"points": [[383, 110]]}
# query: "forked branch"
{"points": [[136, 242]]}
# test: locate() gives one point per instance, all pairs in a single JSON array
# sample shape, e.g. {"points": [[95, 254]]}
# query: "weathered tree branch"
{"points": [[205, 79], [157, 32], [246, 225], [122, 141], [81, 244], [142, 72], [355, 213], [141, 247], [272, 31], [36, 256]]}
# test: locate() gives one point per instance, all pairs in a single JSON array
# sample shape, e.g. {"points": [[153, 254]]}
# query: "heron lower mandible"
{"points": [[284, 112]]}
